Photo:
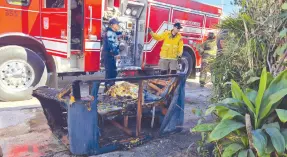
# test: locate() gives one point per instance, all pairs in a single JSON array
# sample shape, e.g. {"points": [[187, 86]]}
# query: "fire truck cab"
{"points": [[41, 39]]}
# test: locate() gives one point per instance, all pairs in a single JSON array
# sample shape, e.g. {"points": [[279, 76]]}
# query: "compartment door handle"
{"points": [[91, 18]]}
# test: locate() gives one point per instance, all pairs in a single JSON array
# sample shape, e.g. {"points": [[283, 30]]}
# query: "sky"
{"points": [[227, 7]]}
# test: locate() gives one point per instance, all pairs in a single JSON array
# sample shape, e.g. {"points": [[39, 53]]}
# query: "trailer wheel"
{"points": [[21, 71], [186, 63]]}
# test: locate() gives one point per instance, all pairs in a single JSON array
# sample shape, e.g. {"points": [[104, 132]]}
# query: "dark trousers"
{"points": [[111, 70]]}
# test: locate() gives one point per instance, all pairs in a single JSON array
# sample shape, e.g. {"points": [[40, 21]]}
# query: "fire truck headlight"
{"points": [[128, 11], [134, 13]]}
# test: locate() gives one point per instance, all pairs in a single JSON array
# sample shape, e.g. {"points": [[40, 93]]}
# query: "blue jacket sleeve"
{"points": [[113, 43], [119, 33]]}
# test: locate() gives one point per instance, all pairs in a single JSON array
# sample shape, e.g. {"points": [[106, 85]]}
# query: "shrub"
{"points": [[246, 120]]}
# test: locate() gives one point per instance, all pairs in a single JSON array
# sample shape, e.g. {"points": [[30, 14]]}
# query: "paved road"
{"points": [[24, 132]]}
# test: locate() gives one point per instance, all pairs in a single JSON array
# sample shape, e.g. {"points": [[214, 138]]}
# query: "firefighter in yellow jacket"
{"points": [[171, 50], [208, 53]]}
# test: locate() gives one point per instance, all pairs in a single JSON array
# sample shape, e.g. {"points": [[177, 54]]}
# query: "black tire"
{"points": [[186, 55], [27, 56]]}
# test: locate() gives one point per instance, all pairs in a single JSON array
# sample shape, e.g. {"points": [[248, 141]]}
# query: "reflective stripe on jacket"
{"points": [[172, 47]]}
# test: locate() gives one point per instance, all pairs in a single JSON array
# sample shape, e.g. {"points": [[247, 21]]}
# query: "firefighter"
{"points": [[208, 52], [171, 49], [111, 51]]}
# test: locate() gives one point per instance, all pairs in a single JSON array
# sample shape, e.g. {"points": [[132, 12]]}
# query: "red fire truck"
{"points": [[42, 39]]}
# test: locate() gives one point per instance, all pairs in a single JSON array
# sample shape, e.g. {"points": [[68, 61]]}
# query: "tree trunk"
{"points": [[248, 130]]}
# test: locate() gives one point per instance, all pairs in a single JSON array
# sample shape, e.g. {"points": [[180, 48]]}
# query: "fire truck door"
{"points": [[55, 27], [92, 34]]}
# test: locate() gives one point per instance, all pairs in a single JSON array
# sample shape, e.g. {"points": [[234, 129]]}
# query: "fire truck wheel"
{"points": [[186, 63], [21, 71]]}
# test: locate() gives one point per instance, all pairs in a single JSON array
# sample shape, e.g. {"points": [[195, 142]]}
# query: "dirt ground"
{"points": [[24, 132]]}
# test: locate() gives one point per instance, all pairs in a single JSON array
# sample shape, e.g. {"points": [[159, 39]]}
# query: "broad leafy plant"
{"points": [[248, 120], [256, 39]]}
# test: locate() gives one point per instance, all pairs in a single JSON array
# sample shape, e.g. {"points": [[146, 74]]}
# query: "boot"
{"points": [[202, 84]]}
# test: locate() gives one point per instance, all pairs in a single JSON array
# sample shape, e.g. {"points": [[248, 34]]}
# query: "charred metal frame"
{"points": [[82, 116]]}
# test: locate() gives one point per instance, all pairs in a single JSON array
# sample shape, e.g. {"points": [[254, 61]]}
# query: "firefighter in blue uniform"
{"points": [[111, 51]]}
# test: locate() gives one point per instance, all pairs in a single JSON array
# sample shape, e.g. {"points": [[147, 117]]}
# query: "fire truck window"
{"points": [[54, 4], [19, 2]]}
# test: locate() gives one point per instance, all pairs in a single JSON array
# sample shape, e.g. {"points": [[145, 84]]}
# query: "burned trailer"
{"points": [[90, 121]]}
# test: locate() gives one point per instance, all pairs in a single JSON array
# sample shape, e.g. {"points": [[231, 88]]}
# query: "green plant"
{"points": [[256, 39], [250, 116], [232, 65], [201, 150]]}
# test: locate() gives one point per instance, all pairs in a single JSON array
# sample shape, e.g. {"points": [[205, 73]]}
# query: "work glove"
{"points": [[201, 50], [149, 30], [117, 57]]}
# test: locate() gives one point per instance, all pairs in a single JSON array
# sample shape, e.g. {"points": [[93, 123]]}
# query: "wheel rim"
{"points": [[183, 65], [16, 75]]}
